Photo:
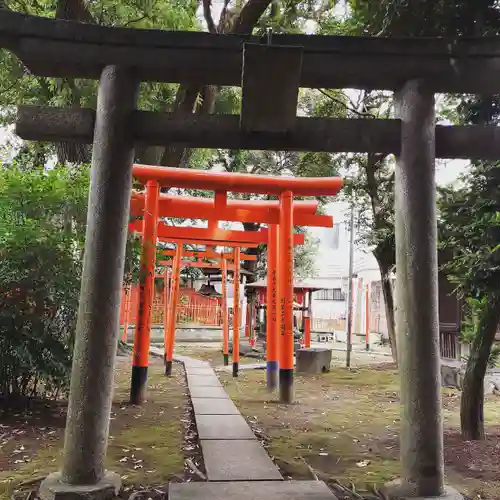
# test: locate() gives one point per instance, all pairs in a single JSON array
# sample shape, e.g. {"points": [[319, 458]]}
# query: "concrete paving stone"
{"points": [[208, 392], [210, 406], [251, 490], [194, 370], [223, 427], [236, 460], [203, 381]]}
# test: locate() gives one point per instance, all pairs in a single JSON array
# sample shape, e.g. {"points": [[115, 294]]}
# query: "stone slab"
{"points": [[251, 490], [223, 427], [233, 460], [210, 406], [208, 392], [194, 370], [203, 381]]}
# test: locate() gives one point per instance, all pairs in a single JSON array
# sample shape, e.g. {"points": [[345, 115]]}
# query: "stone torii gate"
{"points": [[270, 75]]}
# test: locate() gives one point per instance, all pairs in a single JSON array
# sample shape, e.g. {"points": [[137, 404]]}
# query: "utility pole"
{"points": [[350, 294]]}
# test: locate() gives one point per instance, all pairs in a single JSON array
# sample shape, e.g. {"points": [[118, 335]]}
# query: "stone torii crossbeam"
{"points": [[270, 75]]}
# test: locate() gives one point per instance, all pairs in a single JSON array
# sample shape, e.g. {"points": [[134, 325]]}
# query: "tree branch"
{"points": [[351, 109], [249, 16], [187, 96], [207, 13]]}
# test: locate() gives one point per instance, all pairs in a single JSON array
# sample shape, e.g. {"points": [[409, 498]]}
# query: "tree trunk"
{"points": [[472, 401], [389, 309], [73, 10]]}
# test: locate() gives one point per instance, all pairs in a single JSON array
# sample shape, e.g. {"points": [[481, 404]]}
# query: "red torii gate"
{"points": [[221, 183], [218, 237]]}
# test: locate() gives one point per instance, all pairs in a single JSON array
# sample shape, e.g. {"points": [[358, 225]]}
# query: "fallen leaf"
{"points": [[363, 463]]}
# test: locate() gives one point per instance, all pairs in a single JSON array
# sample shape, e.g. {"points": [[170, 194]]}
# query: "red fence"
{"points": [[193, 308]]}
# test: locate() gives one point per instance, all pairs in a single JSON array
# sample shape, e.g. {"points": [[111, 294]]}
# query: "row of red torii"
{"points": [[280, 216]]}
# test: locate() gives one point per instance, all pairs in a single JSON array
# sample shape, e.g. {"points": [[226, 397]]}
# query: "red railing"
{"points": [[193, 308]]}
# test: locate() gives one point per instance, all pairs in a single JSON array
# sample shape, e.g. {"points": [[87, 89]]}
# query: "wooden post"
{"points": [[272, 334], [367, 316], [140, 361], [166, 298], [127, 306], [236, 312], [172, 309], [225, 318], [98, 325], [286, 297], [307, 326]]}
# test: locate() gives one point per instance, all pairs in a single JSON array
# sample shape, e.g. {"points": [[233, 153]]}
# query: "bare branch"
{"points": [[351, 109], [207, 13]]}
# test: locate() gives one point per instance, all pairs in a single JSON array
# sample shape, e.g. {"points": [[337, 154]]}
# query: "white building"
{"points": [[332, 272]]}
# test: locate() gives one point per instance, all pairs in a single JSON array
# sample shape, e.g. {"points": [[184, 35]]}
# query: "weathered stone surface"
{"points": [[203, 380], [251, 490], [451, 376], [417, 318], [208, 392], [211, 406], [403, 491], [97, 327], [277, 69], [52, 488], [223, 427], [69, 49], [238, 461], [313, 360]]}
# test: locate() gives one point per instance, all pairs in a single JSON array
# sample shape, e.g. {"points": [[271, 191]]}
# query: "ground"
{"points": [[210, 352], [146, 444], [344, 426]]}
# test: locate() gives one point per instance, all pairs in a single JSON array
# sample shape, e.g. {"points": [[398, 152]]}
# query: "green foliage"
{"points": [[42, 230], [425, 17], [19, 86], [475, 310], [469, 226]]}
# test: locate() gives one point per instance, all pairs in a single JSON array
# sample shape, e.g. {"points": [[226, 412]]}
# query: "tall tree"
{"points": [[470, 229], [450, 18]]}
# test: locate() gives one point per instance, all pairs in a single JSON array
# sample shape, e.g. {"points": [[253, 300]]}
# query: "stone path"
{"points": [[236, 464]]}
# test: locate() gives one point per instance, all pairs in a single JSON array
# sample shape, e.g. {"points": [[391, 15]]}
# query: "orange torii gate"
{"points": [[182, 235], [172, 314], [224, 265], [221, 183], [178, 233], [150, 228]]}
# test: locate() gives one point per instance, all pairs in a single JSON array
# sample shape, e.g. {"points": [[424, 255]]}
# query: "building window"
{"points": [[330, 294]]}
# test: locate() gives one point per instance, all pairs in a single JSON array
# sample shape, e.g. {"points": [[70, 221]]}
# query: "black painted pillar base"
{"points": [[226, 359], [168, 368], [235, 369], [286, 386], [367, 347], [272, 370], [138, 385]]}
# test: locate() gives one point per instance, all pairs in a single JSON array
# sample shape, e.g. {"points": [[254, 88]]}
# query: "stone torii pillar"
{"points": [[97, 329], [417, 298]]}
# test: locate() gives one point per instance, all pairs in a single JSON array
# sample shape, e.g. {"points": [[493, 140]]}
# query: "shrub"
{"points": [[42, 230]]}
